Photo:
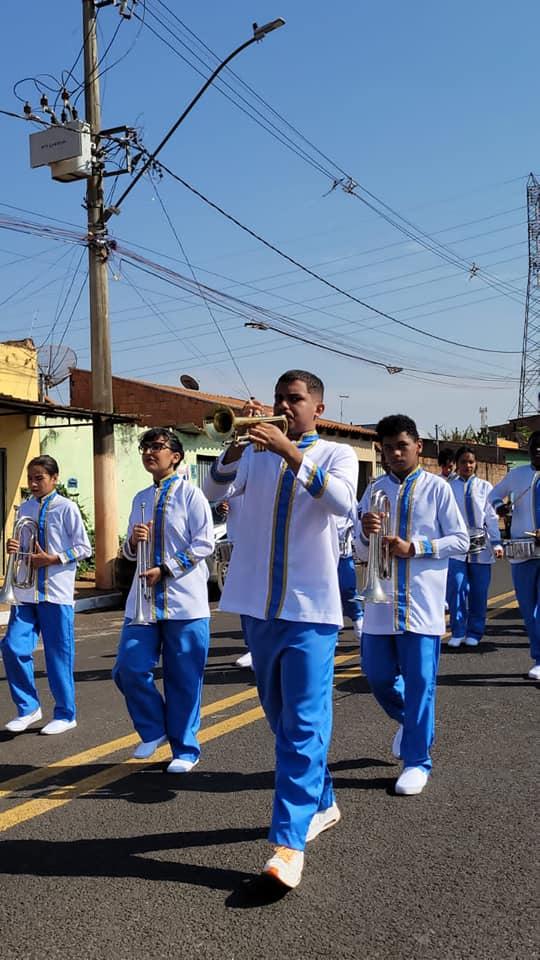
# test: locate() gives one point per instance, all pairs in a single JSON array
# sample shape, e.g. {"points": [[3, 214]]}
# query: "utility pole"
{"points": [[105, 490]]}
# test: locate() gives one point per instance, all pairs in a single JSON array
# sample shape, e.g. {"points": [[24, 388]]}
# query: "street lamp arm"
{"points": [[258, 34]]}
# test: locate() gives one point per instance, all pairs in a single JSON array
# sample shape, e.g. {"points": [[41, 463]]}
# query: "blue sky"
{"points": [[428, 107]]}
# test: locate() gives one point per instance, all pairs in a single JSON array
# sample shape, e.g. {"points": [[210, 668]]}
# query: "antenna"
{"points": [[55, 363]]}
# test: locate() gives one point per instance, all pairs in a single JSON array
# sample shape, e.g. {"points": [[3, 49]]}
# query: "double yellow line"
{"points": [[60, 796]]}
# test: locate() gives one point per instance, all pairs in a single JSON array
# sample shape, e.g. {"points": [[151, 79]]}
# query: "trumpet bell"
{"points": [[7, 593], [223, 427], [375, 593]]}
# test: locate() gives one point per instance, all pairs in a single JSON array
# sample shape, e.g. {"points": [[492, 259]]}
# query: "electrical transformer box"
{"points": [[66, 148]]}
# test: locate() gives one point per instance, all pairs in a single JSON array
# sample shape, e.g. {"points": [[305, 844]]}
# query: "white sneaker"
{"points": [[58, 726], [411, 781], [181, 766], [471, 641], [245, 660], [145, 749], [396, 742], [322, 821], [534, 672], [286, 866], [21, 723], [455, 641], [357, 628]]}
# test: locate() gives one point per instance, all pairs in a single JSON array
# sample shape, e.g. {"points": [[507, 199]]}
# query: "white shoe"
{"points": [[58, 726], [396, 742], [471, 641], [245, 660], [534, 672], [455, 641], [411, 781], [322, 821], [357, 628], [285, 865], [181, 766], [145, 749], [21, 723]]}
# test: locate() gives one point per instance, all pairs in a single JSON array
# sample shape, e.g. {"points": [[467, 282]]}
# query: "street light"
{"points": [[342, 397], [258, 34]]}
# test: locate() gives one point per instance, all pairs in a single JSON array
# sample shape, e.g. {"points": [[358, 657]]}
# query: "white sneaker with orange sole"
{"points": [[285, 866]]}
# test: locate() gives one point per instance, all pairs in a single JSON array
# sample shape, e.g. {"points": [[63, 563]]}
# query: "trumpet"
{"points": [[19, 571], [143, 591], [379, 565], [224, 427]]}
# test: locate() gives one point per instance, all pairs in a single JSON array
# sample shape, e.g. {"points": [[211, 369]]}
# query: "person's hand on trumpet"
{"points": [[12, 545], [398, 547], [142, 532]]}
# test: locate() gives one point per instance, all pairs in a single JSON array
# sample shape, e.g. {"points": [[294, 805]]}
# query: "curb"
{"points": [[105, 601]]}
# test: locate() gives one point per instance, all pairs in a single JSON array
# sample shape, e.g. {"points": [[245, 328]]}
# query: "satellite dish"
{"points": [[54, 365], [188, 382]]}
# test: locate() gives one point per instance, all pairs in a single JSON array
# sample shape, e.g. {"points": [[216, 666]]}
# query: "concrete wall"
{"points": [[18, 378]]}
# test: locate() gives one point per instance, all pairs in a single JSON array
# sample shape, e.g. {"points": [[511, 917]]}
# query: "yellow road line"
{"points": [[33, 777], [58, 798]]}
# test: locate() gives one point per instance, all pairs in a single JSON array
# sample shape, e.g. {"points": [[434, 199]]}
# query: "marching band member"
{"points": [[283, 580], [352, 605], [46, 606], [447, 463], [401, 638], [522, 485], [469, 575], [181, 536]]}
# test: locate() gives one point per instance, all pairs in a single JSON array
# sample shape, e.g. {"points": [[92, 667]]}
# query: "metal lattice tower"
{"points": [[529, 385]]}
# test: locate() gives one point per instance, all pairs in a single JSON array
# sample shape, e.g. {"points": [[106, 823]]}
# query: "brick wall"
{"points": [[486, 470]]}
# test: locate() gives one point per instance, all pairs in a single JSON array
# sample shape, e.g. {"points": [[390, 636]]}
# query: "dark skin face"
{"points": [[466, 465], [401, 453], [301, 407]]}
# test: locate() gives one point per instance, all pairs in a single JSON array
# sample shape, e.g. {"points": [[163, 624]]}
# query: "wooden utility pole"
{"points": [[105, 491]]}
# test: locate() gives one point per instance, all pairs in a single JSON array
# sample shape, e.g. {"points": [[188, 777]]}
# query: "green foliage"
{"points": [[464, 435]]}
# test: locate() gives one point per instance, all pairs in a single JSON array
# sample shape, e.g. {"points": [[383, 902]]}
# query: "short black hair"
{"points": [[313, 383], [49, 465], [155, 433], [394, 424], [464, 449], [446, 456], [534, 438]]}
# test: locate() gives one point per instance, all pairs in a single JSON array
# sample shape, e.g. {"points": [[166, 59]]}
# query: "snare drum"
{"points": [[477, 539], [523, 549]]}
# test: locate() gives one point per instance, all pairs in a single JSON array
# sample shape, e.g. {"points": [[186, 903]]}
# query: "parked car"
{"points": [[218, 561]]}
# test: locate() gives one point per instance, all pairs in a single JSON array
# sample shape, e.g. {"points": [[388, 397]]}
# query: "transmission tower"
{"points": [[529, 384]]}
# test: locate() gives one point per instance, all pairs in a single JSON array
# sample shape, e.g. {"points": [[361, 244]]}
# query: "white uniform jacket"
{"points": [[182, 536], [285, 557], [423, 510], [522, 485], [60, 531], [472, 499]]}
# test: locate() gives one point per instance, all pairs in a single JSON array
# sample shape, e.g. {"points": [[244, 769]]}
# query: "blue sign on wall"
{"points": [[72, 483]]}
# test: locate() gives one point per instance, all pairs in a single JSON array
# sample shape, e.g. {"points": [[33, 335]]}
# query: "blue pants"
{"points": [[352, 607], [526, 580], [183, 645], [294, 668], [401, 670], [55, 623], [467, 592]]}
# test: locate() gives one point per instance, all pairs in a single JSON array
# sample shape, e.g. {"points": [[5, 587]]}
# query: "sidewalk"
{"points": [[87, 597]]}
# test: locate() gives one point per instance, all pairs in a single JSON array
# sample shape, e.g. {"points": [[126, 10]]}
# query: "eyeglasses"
{"points": [[154, 447]]}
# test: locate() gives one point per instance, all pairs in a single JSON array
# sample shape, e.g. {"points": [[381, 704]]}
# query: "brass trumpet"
{"points": [[143, 593], [379, 565], [19, 571], [224, 427]]}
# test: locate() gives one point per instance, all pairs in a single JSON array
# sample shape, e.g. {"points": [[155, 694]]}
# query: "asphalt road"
{"points": [[101, 857]]}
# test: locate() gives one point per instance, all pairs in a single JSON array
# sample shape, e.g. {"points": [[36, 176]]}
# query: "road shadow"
{"points": [[129, 857]]}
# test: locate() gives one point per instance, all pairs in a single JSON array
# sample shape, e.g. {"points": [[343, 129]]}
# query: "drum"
{"points": [[523, 549], [477, 539]]}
